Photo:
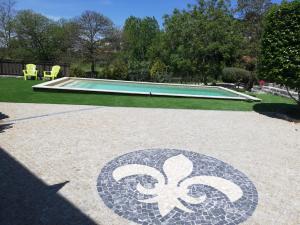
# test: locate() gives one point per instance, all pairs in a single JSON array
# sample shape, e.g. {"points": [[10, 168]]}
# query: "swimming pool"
{"points": [[142, 88]]}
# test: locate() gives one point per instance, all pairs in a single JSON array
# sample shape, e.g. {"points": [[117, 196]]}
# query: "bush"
{"points": [[118, 70], [76, 71], [236, 75], [138, 71], [105, 73], [158, 72], [280, 55]]}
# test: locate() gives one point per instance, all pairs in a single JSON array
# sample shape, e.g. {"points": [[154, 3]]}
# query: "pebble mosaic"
{"points": [[168, 186]]}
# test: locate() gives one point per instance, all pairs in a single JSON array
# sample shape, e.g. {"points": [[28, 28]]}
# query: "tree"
{"points": [[40, 38], [94, 29], [251, 13], [202, 40], [280, 56], [67, 32], [33, 32], [7, 14], [138, 36]]}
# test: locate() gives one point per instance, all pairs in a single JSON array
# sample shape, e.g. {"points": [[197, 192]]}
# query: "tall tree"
{"points": [[67, 33], [138, 36], [40, 38], [7, 14], [251, 13], [95, 28], [34, 32], [280, 57], [202, 40]]}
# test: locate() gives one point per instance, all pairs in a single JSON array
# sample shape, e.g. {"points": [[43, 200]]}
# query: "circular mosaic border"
{"points": [[168, 186]]}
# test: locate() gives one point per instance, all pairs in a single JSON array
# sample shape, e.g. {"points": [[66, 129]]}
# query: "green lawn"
{"points": [[20, 91]]}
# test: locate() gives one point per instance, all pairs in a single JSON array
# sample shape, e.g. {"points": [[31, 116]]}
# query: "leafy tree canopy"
{"points": [[251, 13], [203, 39], [138, 36], [34, 35], [280, 56]]}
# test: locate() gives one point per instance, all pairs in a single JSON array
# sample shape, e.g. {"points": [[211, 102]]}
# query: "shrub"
{"points": [[118, 70], [280, 56], [105, 73], [236, 75], [158, 72], [139, 71], [76, 71]]}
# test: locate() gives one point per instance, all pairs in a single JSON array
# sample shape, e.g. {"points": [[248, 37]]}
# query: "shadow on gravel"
{"points": [[288, 112], [27, 200], [4, 126]]}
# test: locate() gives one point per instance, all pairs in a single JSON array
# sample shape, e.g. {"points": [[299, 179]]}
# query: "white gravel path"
{"points": [[72, 143]]}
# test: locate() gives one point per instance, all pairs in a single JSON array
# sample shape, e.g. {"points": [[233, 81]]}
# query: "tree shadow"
{"points": [[288, 112], [27, 200], [3, 116], [4, 126]]}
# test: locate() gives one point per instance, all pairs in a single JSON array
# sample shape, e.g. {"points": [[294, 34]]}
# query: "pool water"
{"points": [[145, 88]]}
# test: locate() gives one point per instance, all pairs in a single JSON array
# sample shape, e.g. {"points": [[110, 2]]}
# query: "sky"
{"points": [[117, 10]]}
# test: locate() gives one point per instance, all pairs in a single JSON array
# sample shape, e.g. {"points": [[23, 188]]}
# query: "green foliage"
{"points": [[39, 38], [67, 33], [202, 40], [195, 44], [138, 70], [138, 36], [77, 71], [236, 75], [159, 72], [159, 48], [251, 13], [105, 73], [280, 56], [118, 70], [33, 32]]}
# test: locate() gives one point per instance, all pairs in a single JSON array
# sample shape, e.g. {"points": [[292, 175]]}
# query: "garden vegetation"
{"points": [[208, 42], [280, 55]]}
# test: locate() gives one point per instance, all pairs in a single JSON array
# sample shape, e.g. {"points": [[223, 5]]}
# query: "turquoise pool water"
{"points": [[155, 89]]}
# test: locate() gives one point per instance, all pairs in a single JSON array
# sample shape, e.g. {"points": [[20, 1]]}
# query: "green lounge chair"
{"points": [[30, 71], [53, 73]]}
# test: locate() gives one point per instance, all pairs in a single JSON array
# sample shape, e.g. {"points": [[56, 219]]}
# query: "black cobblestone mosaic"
{"points": [[124, 198]]}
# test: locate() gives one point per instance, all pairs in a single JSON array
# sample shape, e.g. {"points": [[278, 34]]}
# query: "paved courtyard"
{"points": [[63, 164]]}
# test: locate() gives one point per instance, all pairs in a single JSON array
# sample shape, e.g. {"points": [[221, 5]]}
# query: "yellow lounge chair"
{"points": [[52, 74], [30, 71]]}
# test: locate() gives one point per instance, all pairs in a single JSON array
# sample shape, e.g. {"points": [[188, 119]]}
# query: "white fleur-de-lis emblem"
{"points": [[168, 190]]}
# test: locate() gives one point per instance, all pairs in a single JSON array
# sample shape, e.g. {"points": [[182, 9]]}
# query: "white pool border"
{"points": [[57, 85]]}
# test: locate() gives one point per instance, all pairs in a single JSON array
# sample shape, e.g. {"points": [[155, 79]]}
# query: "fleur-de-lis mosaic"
{"points": [[174, 184], [170, 186]]}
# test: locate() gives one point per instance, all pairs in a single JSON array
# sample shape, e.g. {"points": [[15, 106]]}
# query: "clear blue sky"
{"points": [[116, 10]]}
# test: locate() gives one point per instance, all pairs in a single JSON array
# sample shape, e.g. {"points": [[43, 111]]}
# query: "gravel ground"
{"points": [[52, 156]]}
